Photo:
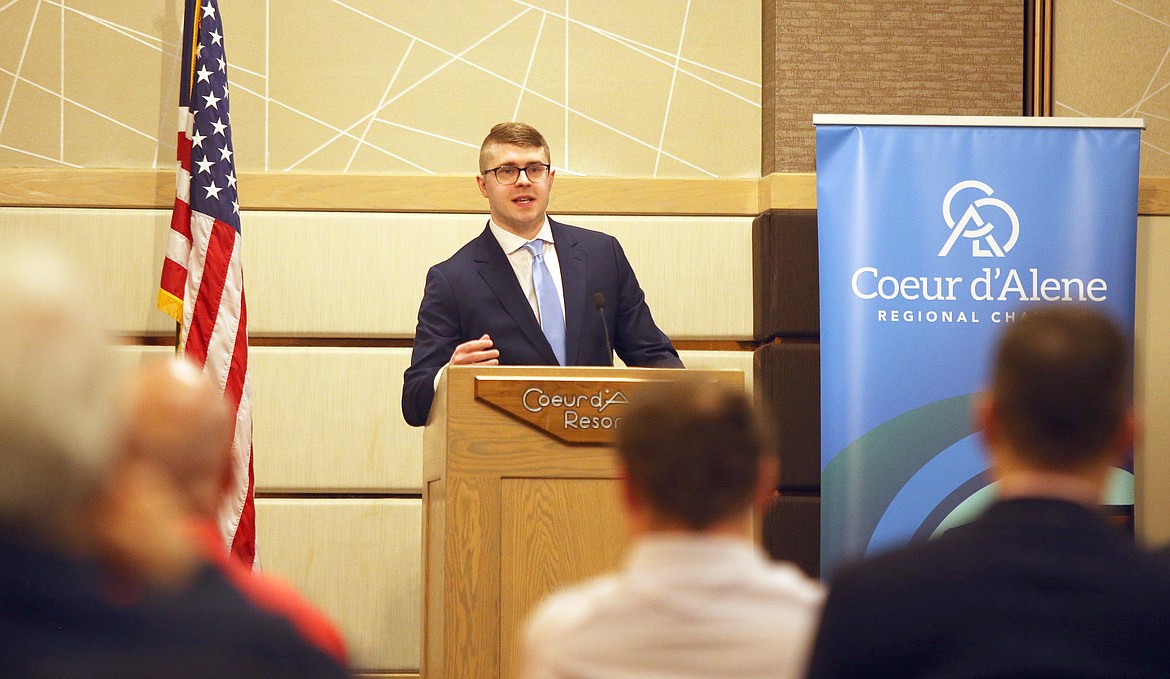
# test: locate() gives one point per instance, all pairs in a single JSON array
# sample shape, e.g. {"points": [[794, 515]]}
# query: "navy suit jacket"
{"points": [[1032, 588], [476, 292]]}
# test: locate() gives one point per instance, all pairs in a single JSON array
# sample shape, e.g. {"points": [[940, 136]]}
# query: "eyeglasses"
{"points": [[508, 174]]}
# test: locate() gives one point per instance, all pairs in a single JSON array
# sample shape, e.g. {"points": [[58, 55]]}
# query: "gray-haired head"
{"points": [[58, 414]]}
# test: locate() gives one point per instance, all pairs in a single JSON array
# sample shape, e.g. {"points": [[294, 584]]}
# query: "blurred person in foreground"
{"points": [[696, 597], [1042, 584], [97, 577], [179, 422]]}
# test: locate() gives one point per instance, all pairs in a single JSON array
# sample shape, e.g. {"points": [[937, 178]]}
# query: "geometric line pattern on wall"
{"points": [[1111, 59], [667, 88]]}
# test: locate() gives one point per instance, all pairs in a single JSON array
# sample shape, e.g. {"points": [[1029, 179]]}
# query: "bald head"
{"points": [[178, 420]]}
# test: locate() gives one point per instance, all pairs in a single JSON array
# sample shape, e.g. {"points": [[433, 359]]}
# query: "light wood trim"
{"points": [[1154, 196], [650, 196], [797, 191], [743, 197], [37, 187]]}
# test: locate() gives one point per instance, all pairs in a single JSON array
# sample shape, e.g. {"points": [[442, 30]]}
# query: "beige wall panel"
{"points": [[42, 53], [141, 17], [733, 64], [358, 560], [691, 133], [1152, 348], [329, 419], [15, 23], [362, 55], [339, 275], [1109, 60], [657, 24], [345, 274], [616, 77], [129, 357], [449, 25], [34, 124], [719, 360], [119, 251], [696, 272], [125, 100]]}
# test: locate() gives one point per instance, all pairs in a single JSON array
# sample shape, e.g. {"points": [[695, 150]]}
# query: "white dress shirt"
{"points": [[521, 260], [692, 607]]}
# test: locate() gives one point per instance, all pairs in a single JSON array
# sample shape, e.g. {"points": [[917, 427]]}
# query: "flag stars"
{"points": [[231, 180], [213, 191], [222, 64], [235, 207], [205, 165], [197, 140], [211, 100], [219, 127], [225, 154], [204, 74], [216, 38], [209, 11]]}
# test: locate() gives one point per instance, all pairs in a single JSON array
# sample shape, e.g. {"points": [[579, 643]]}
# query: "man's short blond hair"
{"points": [[514, 134]]}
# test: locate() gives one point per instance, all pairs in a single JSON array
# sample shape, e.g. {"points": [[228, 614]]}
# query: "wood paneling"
{"points": [[544, 544]]}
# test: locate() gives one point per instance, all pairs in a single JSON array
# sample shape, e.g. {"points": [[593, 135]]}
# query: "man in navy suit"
{"points": [[528, 290], [1042, 584]]}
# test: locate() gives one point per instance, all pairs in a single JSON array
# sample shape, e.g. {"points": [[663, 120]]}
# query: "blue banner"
{"points": [[932, 237]]}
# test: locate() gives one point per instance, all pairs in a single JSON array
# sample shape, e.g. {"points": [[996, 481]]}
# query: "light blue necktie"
{"points": [[552, 320]]}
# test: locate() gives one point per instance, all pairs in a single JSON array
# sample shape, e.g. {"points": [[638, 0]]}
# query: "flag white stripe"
{"points": [[222, 342]]}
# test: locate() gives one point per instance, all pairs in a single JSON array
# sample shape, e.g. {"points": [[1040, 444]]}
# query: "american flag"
{"points": [[202, 284]]}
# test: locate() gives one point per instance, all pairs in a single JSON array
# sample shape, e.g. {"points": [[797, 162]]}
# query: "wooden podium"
{"points": [[519, 498]]}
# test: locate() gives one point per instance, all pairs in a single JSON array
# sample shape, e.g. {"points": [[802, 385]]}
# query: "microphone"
{"points": [[599, 302]]}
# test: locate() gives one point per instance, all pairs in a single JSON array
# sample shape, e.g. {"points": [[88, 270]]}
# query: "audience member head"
{"points": [[511, 134], [1060, 397], [58, 415], [696, 456], [179, 422]]}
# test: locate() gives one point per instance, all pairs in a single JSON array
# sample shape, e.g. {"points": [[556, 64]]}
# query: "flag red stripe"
{"points": [[215, 268], [181, 218], [234, 389], [184, 150], [174, 278], [244, 542]]}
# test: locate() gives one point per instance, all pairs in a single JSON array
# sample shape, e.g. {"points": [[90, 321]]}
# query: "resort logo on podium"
{"points": [[579, 410], [975, 226]]}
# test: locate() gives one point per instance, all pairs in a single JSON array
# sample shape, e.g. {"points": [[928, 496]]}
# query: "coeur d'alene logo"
{"points": [[986, 222]]}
